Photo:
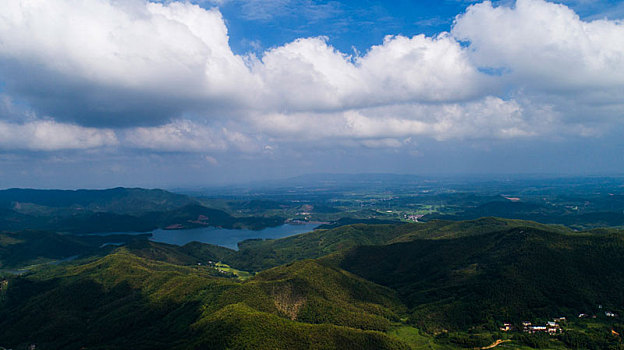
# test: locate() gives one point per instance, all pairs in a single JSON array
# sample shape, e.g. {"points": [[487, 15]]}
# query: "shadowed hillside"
{"points": [[510, 275], [122, 301], [257, 255], [439, 285]]}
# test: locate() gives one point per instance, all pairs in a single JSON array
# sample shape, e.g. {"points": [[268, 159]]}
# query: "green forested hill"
{"points": [[115, 200], [511, 275], [20, 249], [435, 285], [261, 254], [123, 301], [113, 210]]}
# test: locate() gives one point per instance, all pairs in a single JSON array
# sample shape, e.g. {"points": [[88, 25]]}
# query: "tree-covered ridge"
{"points": [[440, 285], [24, 248], [122, 301], [506, 276], [114, 210], [256, 255], [115, 200]]}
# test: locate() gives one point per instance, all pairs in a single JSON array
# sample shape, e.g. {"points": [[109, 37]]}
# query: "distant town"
{"points": [[551, 327]]}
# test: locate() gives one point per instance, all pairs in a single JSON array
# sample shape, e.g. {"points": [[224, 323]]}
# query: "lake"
{"points": [[227, 237]]}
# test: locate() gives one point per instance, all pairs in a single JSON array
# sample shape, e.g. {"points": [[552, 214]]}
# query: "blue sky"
{"points": [[101, 93], [359, 24], [347, 24]]}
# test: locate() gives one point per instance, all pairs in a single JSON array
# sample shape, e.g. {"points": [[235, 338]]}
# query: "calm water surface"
{"points": [[227, 237]]}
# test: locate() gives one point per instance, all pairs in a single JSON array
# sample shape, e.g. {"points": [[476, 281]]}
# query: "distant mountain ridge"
{"points": [[115, 200], [113, 210]]}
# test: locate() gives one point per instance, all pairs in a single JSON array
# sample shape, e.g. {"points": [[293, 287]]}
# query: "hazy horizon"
{"points": [[317, 179]]}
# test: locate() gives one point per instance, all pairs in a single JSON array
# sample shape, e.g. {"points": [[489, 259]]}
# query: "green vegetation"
{"points": [[119, 301], [506, 276], [114, 210], [21, 249], [433, 285], [238, 326], [257, 255], [123, 301], [227, 269], [416, 338]]}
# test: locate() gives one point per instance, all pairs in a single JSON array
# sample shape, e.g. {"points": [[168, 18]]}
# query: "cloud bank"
{"points": [[161, 77]]}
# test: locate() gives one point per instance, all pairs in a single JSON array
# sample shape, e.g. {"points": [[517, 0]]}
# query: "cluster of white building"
{"points": [[551, 327]]}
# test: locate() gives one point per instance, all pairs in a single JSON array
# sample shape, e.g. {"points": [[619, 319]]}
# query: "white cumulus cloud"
{"points": [[48, 135], [544, 45], [187, 136], [120, 62], [161, 76]]}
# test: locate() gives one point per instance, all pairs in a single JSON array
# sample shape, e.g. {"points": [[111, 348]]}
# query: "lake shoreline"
{"points": [[224, 237]]}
